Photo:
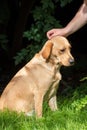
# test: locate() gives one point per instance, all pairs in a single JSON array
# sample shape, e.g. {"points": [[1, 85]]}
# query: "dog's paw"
{"points": [[31, 113]]}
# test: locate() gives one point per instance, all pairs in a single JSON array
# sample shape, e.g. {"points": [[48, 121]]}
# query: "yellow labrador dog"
{"points": [[38, 80]]}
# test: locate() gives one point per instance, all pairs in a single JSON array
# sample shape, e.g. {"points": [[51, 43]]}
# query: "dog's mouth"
{"points": [[70, 62]]}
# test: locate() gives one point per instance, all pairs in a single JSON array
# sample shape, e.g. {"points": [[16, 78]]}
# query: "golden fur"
{"points": [[38, 80]]}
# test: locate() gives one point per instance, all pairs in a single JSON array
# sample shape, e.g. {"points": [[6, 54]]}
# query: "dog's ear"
{"points": [[46, 51]]}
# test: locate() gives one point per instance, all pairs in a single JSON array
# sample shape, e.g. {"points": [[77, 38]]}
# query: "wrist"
{"points": [[67, 31]]}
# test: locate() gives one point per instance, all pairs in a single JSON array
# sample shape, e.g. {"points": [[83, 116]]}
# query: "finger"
{"points": [[50, 34]]}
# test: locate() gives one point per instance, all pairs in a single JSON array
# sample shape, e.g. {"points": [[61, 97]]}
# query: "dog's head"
{"points": [[57, 50]]}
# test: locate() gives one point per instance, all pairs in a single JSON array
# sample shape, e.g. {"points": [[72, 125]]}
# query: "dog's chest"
{"points": [[52, 89], [57, 77], [45, 77], [55, 81]]}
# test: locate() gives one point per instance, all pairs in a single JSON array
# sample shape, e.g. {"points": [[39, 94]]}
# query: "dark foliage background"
{"points": [[23, 27]]}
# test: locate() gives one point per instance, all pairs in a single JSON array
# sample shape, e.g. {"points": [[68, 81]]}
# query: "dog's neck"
{"points": [[54, 60], [50, 64]]}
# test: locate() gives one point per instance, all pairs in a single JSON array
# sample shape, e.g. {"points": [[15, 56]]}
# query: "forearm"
{"points": [[79, 20]]}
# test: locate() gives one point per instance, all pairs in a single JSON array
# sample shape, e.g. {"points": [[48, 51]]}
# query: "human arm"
{"points": [[79, 20]]}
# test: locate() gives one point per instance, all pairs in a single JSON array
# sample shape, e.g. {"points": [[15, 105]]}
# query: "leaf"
{"points": [[85, 78]]}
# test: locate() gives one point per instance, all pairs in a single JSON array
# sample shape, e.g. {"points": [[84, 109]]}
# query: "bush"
{"points": [[44, 19]]}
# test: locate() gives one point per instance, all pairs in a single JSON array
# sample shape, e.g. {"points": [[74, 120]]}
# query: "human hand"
{"points": [[54, 32]]}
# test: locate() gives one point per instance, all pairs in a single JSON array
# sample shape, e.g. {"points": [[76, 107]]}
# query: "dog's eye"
{"points": [[62, 50]]}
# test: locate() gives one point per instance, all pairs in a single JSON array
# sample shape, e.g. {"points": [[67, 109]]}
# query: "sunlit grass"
{"points": [[67, 117], [63, 119]]}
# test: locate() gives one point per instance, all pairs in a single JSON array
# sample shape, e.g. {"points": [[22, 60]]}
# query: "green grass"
{"points": [[66, 118]]}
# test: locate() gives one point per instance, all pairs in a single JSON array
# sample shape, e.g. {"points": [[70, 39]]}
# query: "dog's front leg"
{"points": [[38, 105], [53, 103]]}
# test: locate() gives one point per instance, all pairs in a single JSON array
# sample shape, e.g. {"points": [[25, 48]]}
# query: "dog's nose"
{"points": [[71, 61]]}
